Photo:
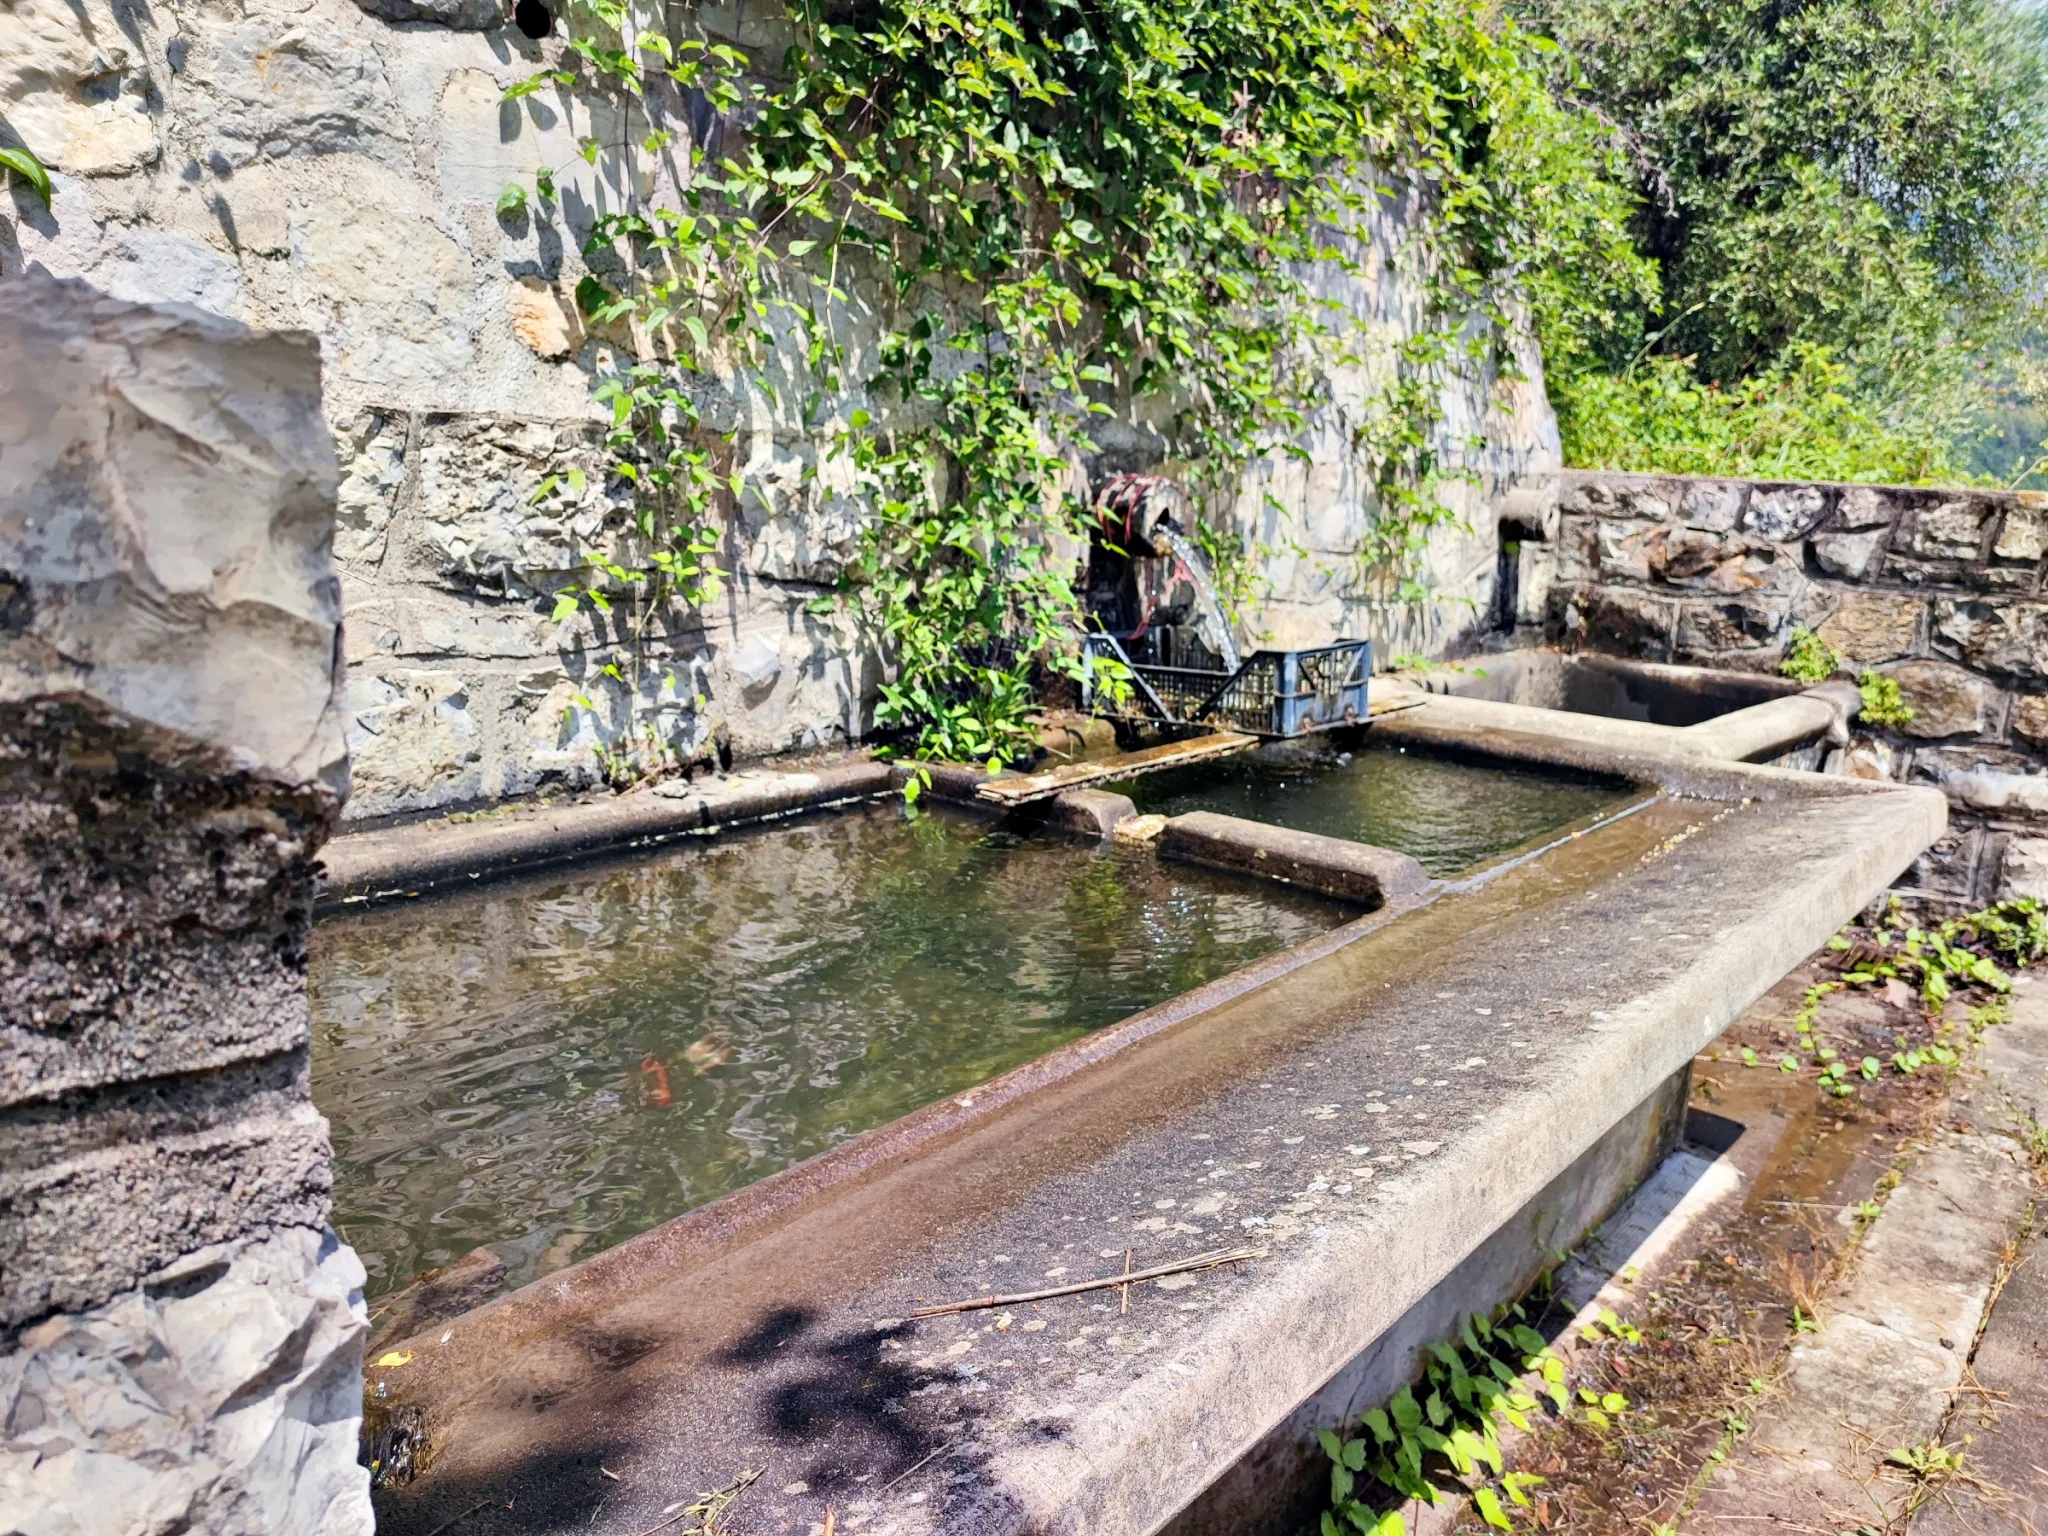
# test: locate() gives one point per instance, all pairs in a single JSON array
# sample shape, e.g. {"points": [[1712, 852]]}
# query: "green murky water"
{"points": [[548, 1066], [1447, 815]]}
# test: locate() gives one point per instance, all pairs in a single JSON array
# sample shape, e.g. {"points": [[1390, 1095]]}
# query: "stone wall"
{"points": [[334, 165], [1939, 590], [180, 1333]]}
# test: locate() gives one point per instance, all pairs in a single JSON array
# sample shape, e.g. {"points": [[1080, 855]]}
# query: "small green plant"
{"points": [[1928, 1465], [1447, 1426], [1961, 952], [1882, 704], [1809, 659], [22, 165]]}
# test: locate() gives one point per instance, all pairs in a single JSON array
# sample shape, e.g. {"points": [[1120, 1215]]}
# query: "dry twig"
{"points": [[1208, 1260]]}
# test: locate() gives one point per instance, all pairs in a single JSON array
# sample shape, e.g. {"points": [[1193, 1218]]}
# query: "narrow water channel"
{"points": [[550, 1065], [1447, 815]]}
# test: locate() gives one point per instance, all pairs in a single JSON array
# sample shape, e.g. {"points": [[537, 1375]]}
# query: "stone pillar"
{"points": [[180, 1332]]}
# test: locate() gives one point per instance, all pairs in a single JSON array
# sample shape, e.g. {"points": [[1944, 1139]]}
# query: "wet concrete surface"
{"points": [[1369, 1116]]}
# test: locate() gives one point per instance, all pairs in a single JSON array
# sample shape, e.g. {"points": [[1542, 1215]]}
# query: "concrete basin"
{"points": [[1404, 1115]]}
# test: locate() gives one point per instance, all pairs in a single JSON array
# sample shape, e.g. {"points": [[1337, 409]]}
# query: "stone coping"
{"points": [[1367, 1107], [411, 860], [1762, 730]]}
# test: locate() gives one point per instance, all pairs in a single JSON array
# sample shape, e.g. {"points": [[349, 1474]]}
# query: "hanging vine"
{"points": [[1070, 208]]}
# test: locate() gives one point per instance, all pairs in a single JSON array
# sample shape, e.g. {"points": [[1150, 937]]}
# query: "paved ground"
{"points": [[1934, 1347]]}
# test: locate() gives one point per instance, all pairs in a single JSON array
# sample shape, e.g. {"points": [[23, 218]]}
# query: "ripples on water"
{"points": [[548, 1066], [1447, 815]]}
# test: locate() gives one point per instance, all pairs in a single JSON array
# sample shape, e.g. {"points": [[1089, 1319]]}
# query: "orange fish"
{"points": [[656, 1076]]}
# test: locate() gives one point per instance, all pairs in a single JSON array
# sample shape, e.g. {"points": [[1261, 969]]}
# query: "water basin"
{"points": [[547, 1066], [1448, 815]]}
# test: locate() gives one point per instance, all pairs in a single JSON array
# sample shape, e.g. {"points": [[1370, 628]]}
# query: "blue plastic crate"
{"points": [[1274, 693]]}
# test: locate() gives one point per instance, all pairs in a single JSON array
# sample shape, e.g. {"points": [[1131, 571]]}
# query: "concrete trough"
{"points": [[1404, 1115]]}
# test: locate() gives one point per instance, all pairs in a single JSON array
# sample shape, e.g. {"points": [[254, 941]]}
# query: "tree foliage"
{"points": [[1863, 182]]}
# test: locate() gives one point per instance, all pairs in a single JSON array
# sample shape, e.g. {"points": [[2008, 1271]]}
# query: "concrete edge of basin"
{"points": [[618, 1268], [1316, 1310], [1664, 766], [398, 862], [1761, 730], [1330, 866]]}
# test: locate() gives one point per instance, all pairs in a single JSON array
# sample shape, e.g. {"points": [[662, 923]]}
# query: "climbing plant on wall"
{"points": [[1072, 208]]}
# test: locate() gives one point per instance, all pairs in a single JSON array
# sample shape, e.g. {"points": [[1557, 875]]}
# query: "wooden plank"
{"points": [[1027, 787]]}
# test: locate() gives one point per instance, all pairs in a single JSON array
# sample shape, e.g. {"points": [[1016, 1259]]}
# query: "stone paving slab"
{"points": [[1893, 1350]]}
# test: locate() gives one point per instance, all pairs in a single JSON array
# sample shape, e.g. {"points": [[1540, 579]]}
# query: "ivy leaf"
{"points": [[1488, 1505], [25, 165], [591, 295], [512, 200]]}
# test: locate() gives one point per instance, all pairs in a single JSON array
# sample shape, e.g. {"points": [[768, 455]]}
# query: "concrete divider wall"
{"points": [[1940, 590], [180, 1332]]}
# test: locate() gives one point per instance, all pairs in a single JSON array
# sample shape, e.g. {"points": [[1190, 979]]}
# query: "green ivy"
{"points": [[1446, 1428], [1072, 209], [1809, 659], [1882, 702]]}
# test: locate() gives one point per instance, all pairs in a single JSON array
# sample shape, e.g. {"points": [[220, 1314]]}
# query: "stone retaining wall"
{"points": [[1938, 589], [335, 167], [180, 1332]]}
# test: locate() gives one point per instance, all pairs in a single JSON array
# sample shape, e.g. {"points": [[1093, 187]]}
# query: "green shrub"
{"points": [[1801, 420]]}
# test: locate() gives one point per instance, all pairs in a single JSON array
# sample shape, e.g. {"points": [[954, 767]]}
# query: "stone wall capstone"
{"points": [[180, 1332], [1938, 589], [335, 166]]}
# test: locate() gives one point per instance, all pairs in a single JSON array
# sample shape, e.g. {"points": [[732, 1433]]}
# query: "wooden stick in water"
{"points": [[1209, 1260]]}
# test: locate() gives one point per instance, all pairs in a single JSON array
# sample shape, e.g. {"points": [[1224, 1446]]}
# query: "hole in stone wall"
{"points": [[1506, 580], [533, 18]]}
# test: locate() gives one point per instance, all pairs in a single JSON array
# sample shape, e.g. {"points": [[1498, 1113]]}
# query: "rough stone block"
{"points": [[223, 1395], [1949, 530], [1624, 550], [1782, 513], [1945, 699], [1873, 626], [1851, 556], [1865, 506], [1941, 573], [1995, 792], [101, 1220], [166, 512], [2030, 719], [2009, 638], [2023, 535], [1617, 495], [1870, 757], [1629, 623], [1706, 630], [413, 739], [458, 15], [1713, 506], [2024, 869]]}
